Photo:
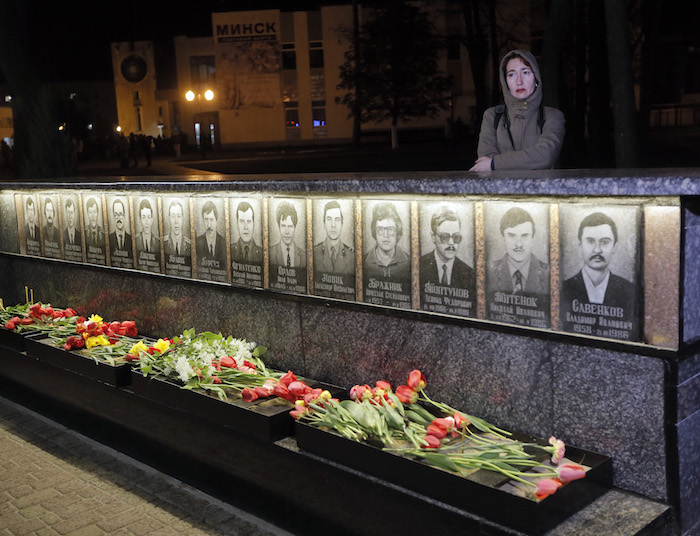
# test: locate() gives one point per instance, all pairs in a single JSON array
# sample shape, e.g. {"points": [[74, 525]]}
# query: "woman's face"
{"points": [[520, 79]]}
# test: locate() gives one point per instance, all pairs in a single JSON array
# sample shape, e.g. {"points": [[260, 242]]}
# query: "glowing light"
{"points": [[189, 96], [209, 94], [119, 128]]}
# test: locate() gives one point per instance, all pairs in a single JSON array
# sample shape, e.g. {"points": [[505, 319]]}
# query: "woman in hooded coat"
{"points": [[522, 134]]}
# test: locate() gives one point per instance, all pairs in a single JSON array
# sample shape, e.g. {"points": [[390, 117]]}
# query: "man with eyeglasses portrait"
{"points": [[446, 281], [387, 260], [442, 266], [387, 267]]}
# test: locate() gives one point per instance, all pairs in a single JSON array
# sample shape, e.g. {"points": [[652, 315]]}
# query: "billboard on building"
{"points": [[248, 59]]}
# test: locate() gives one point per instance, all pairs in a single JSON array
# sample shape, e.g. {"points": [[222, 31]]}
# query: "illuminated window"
{"points": [[319, 117], [291, 118]]}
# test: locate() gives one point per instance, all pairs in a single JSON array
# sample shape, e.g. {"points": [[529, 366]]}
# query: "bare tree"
{"points": [[399, 72]]}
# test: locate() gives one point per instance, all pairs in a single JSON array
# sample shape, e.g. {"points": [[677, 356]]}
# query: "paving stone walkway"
{"points": [[54, 480]]}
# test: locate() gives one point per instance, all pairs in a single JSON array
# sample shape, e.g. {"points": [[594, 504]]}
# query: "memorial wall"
{"points": [[562, 303], [571, 265]]}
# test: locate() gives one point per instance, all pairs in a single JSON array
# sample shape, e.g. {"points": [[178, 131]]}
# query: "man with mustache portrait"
{"points": [[446, 281], [595, 283], [441, 266]]}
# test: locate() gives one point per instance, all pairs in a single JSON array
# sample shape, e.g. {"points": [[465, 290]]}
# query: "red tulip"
{"points": [[68, 312], [546, 487], [383, 385], [298, 389], [127, 324], [460, 420], [432, 442], [360, 392], [227, 361], [416, 380], [571, 471], [261, 392], [10, 325], [27, 321], [406, 395], [248, 364], [48, 311], [288, 378], [447, 424], [282, 391], [249, 395], [298, 411], [436, 431]]}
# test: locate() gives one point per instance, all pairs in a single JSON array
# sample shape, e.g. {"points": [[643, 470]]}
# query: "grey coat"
{"points": [[530, 148]]}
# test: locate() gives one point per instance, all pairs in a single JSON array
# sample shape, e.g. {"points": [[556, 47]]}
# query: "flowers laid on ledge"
{"points": [[37, 317], [444, 437], [208, 361]]}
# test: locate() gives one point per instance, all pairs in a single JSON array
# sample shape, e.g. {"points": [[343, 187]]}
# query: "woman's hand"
{"points": [[482, 164]]}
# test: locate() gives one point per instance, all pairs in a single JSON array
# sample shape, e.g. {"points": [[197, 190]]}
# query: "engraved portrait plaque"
{"points": [[386, 263], [120, 239], [334, 248], [600, 269], [516, 237], [50, 232], [148, 233], [246, 241], [95, 238], [287, 238], [177, 236], [211, 246], [446, 264]]}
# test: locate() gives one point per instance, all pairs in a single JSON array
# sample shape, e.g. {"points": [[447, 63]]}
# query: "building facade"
{"points": [[274, 75]]}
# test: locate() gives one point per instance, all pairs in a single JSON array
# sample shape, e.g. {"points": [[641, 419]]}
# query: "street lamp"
{"points": [[202, 136]]}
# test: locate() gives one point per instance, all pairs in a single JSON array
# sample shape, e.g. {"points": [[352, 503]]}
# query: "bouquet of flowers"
{"points": [[207, 361], [401, 422], [37, 317]]}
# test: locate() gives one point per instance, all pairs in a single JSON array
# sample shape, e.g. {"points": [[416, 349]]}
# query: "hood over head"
{"points": [[533, 100]]}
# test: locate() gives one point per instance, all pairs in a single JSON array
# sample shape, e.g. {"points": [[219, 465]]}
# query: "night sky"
{"points": [[70, 40]]}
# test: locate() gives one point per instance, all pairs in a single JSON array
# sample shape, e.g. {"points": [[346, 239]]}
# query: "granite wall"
{"points": [[608, 401], [637, 404]]}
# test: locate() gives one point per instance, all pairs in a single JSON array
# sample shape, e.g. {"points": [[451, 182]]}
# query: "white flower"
{"points": [[183, 368]]}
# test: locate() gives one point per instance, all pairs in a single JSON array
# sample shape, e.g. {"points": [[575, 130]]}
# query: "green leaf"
{"points": [[440, 460]]}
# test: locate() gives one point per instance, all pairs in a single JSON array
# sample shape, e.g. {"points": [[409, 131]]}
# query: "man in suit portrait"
{"points": [[71, 235], [147, 240], [286, 252], [120, 239], [332, 255], [31, 228], [595, 283], [245, 249], [50, 229], [441, 266], [94, 234], [211, 245], [176, 243], [518, 271]]}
